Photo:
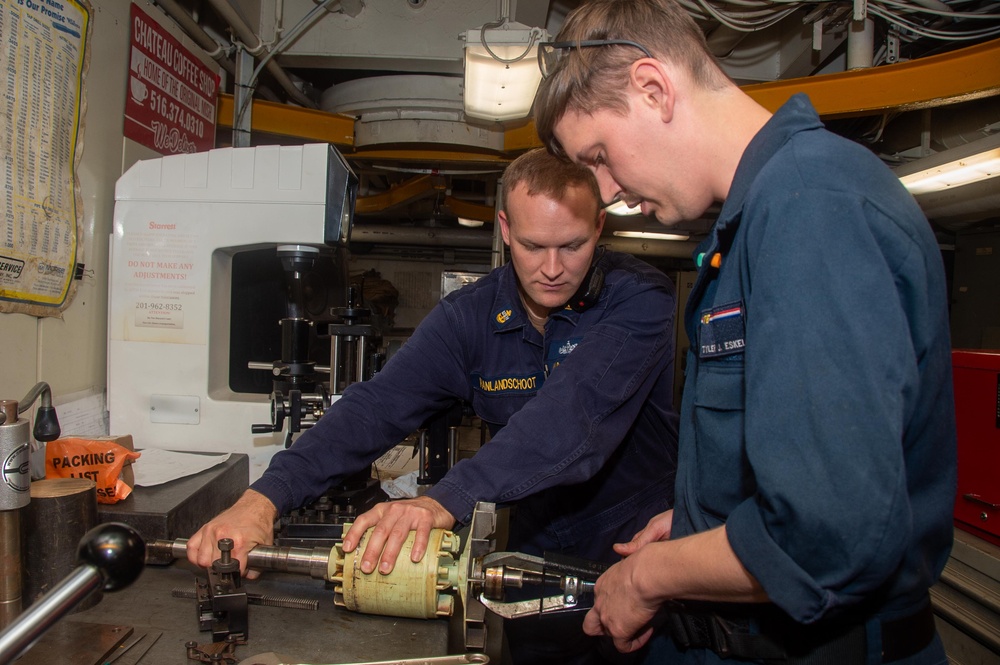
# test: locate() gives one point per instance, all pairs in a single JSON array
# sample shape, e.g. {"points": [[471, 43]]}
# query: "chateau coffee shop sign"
{"points": [[170, 103]]}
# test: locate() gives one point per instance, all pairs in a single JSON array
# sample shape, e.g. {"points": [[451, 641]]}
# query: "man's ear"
{"points": [[601, 216], [504, 227], [654, 86]]}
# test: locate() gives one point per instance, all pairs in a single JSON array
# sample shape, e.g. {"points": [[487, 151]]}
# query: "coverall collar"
{"points": [[794, 116], [508, 314]]}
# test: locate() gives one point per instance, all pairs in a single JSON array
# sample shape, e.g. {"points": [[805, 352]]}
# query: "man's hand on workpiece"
{"points": [[248, 522], [656, 529], [393, 522]]}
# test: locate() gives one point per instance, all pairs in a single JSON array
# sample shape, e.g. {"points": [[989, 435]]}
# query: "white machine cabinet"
{"points": [[178, 222]]}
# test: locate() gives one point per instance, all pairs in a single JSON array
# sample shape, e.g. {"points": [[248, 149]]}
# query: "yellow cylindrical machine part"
{"points": [[421, 590]]}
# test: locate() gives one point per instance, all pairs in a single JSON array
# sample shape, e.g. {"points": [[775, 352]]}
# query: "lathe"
{"points": [[475, 578]]}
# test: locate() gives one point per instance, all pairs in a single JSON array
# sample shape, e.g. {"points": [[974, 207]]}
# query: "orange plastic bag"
{"points": [[101, 460]]}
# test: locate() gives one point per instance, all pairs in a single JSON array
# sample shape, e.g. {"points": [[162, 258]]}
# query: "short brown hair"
{"points": [[543, 173], [591, 79]]}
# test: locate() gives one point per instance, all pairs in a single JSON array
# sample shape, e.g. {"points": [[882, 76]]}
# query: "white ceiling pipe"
{"points": [[255, 46], [193, 30], [861, 44]]}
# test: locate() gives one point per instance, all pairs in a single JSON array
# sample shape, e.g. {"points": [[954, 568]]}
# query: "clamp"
{"points": [[575, 578], [222, 599]]}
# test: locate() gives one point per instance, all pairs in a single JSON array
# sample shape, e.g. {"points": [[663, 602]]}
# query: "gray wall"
{"points": [[71, 353]]}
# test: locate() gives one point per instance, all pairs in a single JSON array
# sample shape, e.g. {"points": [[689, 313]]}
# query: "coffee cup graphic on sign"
{"points": [[139, 90]]}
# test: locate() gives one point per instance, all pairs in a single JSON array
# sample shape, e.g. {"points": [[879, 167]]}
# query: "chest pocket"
{"points": [[724, 474], [496, 399]]}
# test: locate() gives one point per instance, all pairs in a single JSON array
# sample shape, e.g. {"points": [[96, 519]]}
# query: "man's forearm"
{"points": [[702, 566]]}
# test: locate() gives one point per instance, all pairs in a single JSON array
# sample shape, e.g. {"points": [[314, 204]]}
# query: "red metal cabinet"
{"points": [[977, 415]]}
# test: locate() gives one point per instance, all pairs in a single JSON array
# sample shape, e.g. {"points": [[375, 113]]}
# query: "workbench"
{"points": [[329, 634]]}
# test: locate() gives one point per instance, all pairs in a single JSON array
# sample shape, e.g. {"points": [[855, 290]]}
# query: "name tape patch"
{"points": [[508, 384], [721, 331]]}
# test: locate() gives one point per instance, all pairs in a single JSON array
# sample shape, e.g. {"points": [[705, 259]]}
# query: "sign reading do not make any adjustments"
{"points": [[171, 97]]}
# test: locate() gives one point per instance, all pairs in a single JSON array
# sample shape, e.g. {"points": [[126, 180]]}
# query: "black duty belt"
{"points": [[773, 637]]}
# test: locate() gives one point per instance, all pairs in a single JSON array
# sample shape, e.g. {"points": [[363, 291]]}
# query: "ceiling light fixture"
{"points": [[975, 161], [622, 209], [651, 235], [501, 68]]}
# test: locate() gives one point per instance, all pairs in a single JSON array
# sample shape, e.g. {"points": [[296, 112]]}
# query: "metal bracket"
{"points": [[222, 601], [215, 652], [512, 569]]}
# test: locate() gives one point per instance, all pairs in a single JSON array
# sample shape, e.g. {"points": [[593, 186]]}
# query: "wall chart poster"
{"points": [[170, 105], [44, 55]]}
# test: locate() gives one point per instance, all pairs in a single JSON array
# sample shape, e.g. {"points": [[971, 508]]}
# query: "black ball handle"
{"points": [[111, 555], [116, 550]]}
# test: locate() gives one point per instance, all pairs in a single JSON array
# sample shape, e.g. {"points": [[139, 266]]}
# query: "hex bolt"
{"points": [[225, 547]]}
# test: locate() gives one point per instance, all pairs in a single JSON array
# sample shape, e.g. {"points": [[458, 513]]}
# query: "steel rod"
{"points": [[51, 607]]}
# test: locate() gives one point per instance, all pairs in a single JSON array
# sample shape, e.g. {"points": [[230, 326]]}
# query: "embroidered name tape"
{"points": [[721, 331], [505, 385]]}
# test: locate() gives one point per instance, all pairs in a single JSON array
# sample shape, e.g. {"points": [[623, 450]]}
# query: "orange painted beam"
{"points": [[470, 210], [964, 74], [404, 192], [294, 121], [936, 80], [957, 76]]}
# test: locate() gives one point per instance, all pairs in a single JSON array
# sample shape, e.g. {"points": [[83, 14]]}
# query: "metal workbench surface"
{"points": [[329, 634]]}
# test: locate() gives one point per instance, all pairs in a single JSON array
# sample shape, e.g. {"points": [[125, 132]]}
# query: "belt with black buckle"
{"points": [[775, 638]]}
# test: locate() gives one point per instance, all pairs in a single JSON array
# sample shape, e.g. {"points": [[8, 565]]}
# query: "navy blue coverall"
{"points": [[817, 421]]}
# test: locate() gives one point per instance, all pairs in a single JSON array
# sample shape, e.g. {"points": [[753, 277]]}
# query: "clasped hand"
{"points": [[620, 609]]}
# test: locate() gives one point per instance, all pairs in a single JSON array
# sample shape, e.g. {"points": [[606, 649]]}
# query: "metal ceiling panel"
{"points": [[386, 35]]}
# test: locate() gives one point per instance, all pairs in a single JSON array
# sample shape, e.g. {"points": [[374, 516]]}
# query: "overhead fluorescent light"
{"points": [[622, 209], [973, 162], [651, 235], [954, 174], [501, 70]]}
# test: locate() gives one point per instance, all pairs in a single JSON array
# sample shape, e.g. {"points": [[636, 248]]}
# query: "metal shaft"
{"points": [[314, 562], [10, 570], [23, 632]]}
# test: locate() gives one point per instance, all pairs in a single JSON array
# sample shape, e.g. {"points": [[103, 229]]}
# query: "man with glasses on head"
{"points": [[566, 353], [816, 471]]}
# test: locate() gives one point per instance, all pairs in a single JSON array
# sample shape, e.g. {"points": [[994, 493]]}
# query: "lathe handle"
{"points": [[111, 557]]}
